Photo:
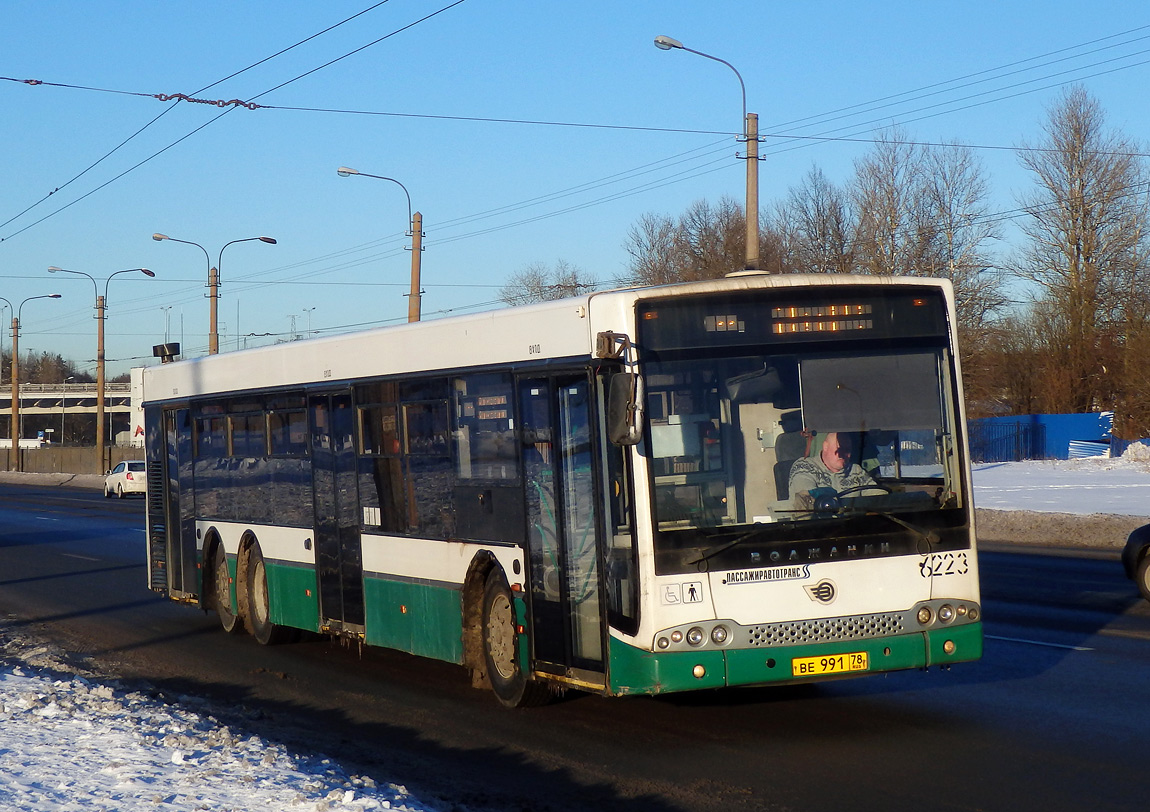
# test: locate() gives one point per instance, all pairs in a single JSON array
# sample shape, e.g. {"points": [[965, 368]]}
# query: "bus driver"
{"points": [[831, 469]]}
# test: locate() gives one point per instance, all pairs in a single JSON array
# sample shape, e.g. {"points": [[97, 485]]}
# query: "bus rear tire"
{"points": [[222, 593], [263, 630], [511, 686]]}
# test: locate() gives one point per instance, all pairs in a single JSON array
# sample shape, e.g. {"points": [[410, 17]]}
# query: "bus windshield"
{"points": [[756, 439]]}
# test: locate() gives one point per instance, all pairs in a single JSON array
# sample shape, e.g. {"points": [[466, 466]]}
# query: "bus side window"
{"points": [[211, 437], [287, 431], [381, 488], [429, 471]]}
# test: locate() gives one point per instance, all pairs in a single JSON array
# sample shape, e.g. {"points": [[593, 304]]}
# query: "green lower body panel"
{"points": [[634, 671], [292, 596], [417, 618]]}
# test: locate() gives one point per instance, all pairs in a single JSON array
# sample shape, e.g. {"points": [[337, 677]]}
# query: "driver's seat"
{"points": [[789, 446]]}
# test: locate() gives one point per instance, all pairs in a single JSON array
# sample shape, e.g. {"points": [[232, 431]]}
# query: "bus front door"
{"points": [[338, 557], [566, 615]]}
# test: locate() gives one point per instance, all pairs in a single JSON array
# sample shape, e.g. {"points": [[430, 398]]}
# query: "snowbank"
{"points": [[73, 743], [1119, 487], [1091, 502]]}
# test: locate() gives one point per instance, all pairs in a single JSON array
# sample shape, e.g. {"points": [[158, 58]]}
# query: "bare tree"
{"points": [[1085, 243], [893, 232], [651, 245], [819, 225], [955, 226], [1011, 359], [705, 242], [539, 282]]}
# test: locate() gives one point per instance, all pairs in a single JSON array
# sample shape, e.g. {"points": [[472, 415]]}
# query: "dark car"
{"points": [[1136, 559]]}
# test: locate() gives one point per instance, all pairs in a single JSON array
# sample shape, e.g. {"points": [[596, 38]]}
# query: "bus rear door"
{"points": [[339, 559]]}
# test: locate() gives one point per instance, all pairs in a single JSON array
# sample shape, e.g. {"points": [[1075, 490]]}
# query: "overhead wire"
{"points": [[679, 177], [157, 118]]}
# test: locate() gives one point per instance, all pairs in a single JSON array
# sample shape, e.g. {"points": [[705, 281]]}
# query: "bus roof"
{"points": [[561, 329]]}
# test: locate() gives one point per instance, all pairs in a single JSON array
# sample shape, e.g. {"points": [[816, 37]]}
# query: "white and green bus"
{"points": [[592, 493]]}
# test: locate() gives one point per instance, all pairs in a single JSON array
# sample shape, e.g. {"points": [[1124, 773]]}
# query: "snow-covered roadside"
{"points": [[70, 742], [1118, 487]]}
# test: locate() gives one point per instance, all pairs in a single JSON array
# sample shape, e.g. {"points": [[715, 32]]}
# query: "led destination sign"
{"points": [[783, 316], [829, 318]]}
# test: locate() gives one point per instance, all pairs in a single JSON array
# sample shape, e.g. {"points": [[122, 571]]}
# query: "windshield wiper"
{"points": [[750, 534], [929, 536]]}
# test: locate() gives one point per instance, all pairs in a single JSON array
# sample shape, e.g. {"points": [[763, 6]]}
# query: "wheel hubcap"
{"points": [[260, 588], [223, 598], [501, 637]]}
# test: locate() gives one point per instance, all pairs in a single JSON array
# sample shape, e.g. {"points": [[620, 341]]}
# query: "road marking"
{"points": [[1130, 634], [1037, 643], [81, 557]]}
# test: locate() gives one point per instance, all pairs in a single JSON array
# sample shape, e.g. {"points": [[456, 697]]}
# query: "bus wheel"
{"points": [[259, 611], [1142, 577], [222, 593], [512, 687]]}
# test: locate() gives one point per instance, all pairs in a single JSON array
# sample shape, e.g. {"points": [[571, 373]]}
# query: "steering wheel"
{"points": [[832, 503], [853, 489]]}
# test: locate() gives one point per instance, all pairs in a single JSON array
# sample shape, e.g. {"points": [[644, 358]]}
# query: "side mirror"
{"points": [[625, 408]]}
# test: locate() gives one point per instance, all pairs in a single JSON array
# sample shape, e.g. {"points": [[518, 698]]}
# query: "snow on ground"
{"points": [[1118, 486], [72, 742]]}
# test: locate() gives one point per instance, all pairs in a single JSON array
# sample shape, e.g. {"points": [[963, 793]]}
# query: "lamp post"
{"points": [[101, 304], [213, 284], [416, 221], [14, 452], [64, 405], [751, 137], [7, 305]]}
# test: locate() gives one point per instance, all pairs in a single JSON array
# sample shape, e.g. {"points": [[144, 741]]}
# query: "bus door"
{"points": [[563, 544], [174, 511], [338, 557]]}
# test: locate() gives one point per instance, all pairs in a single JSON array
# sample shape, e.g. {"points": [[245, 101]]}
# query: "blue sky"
{"points": [[496, 195]]}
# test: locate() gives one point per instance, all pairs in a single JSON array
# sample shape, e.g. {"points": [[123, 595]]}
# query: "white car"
{"points": [[127, 477]]}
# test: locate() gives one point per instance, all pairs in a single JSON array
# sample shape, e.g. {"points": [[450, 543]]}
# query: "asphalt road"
{"points": [[1054, 717]]}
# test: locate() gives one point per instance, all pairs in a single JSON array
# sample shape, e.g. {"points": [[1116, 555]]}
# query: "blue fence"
{"points": [[1044, 437], [1000, 441]]}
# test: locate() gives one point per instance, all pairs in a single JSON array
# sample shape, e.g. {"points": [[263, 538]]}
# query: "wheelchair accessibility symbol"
{"points": [[690, 592]]}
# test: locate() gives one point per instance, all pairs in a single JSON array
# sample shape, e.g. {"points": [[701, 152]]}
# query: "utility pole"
{"points": [[413, 302], [752, 213], [213, 304]]}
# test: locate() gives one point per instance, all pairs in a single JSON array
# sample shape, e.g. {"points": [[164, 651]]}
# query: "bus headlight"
{"points": [[695, 636], [719, 635], [924, 615], [946, 613]]}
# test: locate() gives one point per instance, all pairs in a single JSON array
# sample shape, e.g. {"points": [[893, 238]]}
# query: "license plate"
{"points": [[830, 664]]}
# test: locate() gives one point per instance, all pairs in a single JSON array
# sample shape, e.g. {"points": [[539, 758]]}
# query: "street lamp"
{"points": [[14, 451], [751, 136], [7, 305], [213, 284], [416, 221], [101, 303], [64, 405]]}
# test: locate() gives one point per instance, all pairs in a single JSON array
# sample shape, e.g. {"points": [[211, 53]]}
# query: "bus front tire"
{"points": [[1142, 576], [222, 593], [511, 686], [259, 608]]}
